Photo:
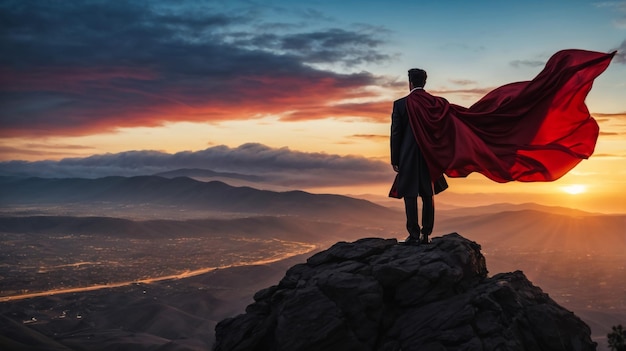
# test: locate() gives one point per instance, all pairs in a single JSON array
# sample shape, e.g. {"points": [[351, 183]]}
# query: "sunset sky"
{"points": [[299, 92]]}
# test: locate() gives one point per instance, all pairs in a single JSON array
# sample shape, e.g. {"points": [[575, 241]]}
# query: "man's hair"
{"points": [[417, 77]]}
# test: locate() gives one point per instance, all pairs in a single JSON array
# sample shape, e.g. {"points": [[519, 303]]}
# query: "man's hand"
{"points": [[396, 168]]}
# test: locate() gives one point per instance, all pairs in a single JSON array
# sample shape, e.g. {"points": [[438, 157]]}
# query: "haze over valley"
{"points": [[166, 240]]}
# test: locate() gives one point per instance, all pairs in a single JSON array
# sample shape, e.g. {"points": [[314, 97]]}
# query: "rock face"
{"points": [[374, 294]]}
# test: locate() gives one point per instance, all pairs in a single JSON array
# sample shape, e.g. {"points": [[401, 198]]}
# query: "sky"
{"points": [[297, 92]]}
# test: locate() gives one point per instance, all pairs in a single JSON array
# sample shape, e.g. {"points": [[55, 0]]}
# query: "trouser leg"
{"points": [[428, 215], [410, 207]]}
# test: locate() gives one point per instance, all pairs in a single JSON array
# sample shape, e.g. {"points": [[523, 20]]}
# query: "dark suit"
{"points": [[413, 178]]}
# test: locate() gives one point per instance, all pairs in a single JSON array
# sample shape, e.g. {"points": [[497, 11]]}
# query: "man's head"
{"points": [[417, 78]]}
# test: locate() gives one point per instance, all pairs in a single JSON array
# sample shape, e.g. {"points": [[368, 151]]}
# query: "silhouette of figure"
{"points": [[413, 178], [529, 131]]}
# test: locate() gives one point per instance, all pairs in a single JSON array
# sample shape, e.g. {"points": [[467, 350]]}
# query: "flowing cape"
{"points": [[527, 131]]}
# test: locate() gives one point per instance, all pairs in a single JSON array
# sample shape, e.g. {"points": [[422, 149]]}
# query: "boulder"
{"points": [[377, 294]]}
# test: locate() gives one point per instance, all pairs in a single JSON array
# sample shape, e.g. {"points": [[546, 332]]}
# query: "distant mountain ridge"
{"points": [[187, 193], [510, 207], [207, 173]]}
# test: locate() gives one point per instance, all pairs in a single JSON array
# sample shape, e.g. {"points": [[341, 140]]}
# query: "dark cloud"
{"points": [[74, 68], [328, 46], [280, 166], [334, 45]]}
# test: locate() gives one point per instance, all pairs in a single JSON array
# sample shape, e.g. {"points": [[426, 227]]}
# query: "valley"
{"points": [[111, 267]]}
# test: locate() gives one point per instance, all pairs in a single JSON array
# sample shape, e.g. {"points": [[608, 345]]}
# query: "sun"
{"points": [[574, 189]]}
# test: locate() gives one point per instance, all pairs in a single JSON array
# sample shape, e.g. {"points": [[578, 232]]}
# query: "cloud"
{"points": [[463, 82], [279, 166], [620, 57], [52, 150], [471, 92], [609, 155], [610, 115], [58, 146], [77, 68], [327, 46], [527, 63], [377, 111], [9, 150], [373, 137], [619, 9]]}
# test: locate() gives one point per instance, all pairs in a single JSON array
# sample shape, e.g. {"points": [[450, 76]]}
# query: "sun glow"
{"points": [[574, 189]]}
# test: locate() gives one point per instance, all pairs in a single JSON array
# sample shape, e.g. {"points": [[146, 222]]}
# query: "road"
{"points": [[305, 248]]}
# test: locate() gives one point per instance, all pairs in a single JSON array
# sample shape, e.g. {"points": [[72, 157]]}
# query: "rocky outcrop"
{"points": [[374, 294]]}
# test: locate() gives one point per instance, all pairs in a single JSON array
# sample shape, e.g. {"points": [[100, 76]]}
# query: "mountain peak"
{"points": [[373, 294]]}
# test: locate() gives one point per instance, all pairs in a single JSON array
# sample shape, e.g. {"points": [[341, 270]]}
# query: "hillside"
{"points": [[187, 193], [169, 315], [539, 231], [207, 174], [263, 227], [78, 232], [374, 294], [509, 207]]}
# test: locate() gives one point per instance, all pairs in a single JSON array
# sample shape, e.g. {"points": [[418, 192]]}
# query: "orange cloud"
{"points": [[70, 75], [373, 137], [610, 115], [477, 92], [378, 111], [83, 101]]}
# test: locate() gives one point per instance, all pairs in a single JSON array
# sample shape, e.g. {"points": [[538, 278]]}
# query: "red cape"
{"points": [[527, 131]]}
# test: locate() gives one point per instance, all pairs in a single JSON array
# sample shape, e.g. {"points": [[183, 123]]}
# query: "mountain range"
{"points": [[207, 175], [577, 257], [184, 192]]}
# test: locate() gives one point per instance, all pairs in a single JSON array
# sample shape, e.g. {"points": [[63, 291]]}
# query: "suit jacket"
{"points": [[413, 179]]}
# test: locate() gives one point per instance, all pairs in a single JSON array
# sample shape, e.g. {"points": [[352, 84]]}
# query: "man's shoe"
{"points": [[424, 240], [411, 240]]}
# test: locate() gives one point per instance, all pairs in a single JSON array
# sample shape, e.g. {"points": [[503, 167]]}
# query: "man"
{"points": [[413, 178], [529, 131]]}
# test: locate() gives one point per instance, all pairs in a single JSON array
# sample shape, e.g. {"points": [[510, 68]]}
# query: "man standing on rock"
{"points": [[413, 178], [528, 131]]}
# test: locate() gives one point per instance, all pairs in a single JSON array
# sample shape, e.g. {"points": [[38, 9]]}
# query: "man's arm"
{"points": [[396, 134]]}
